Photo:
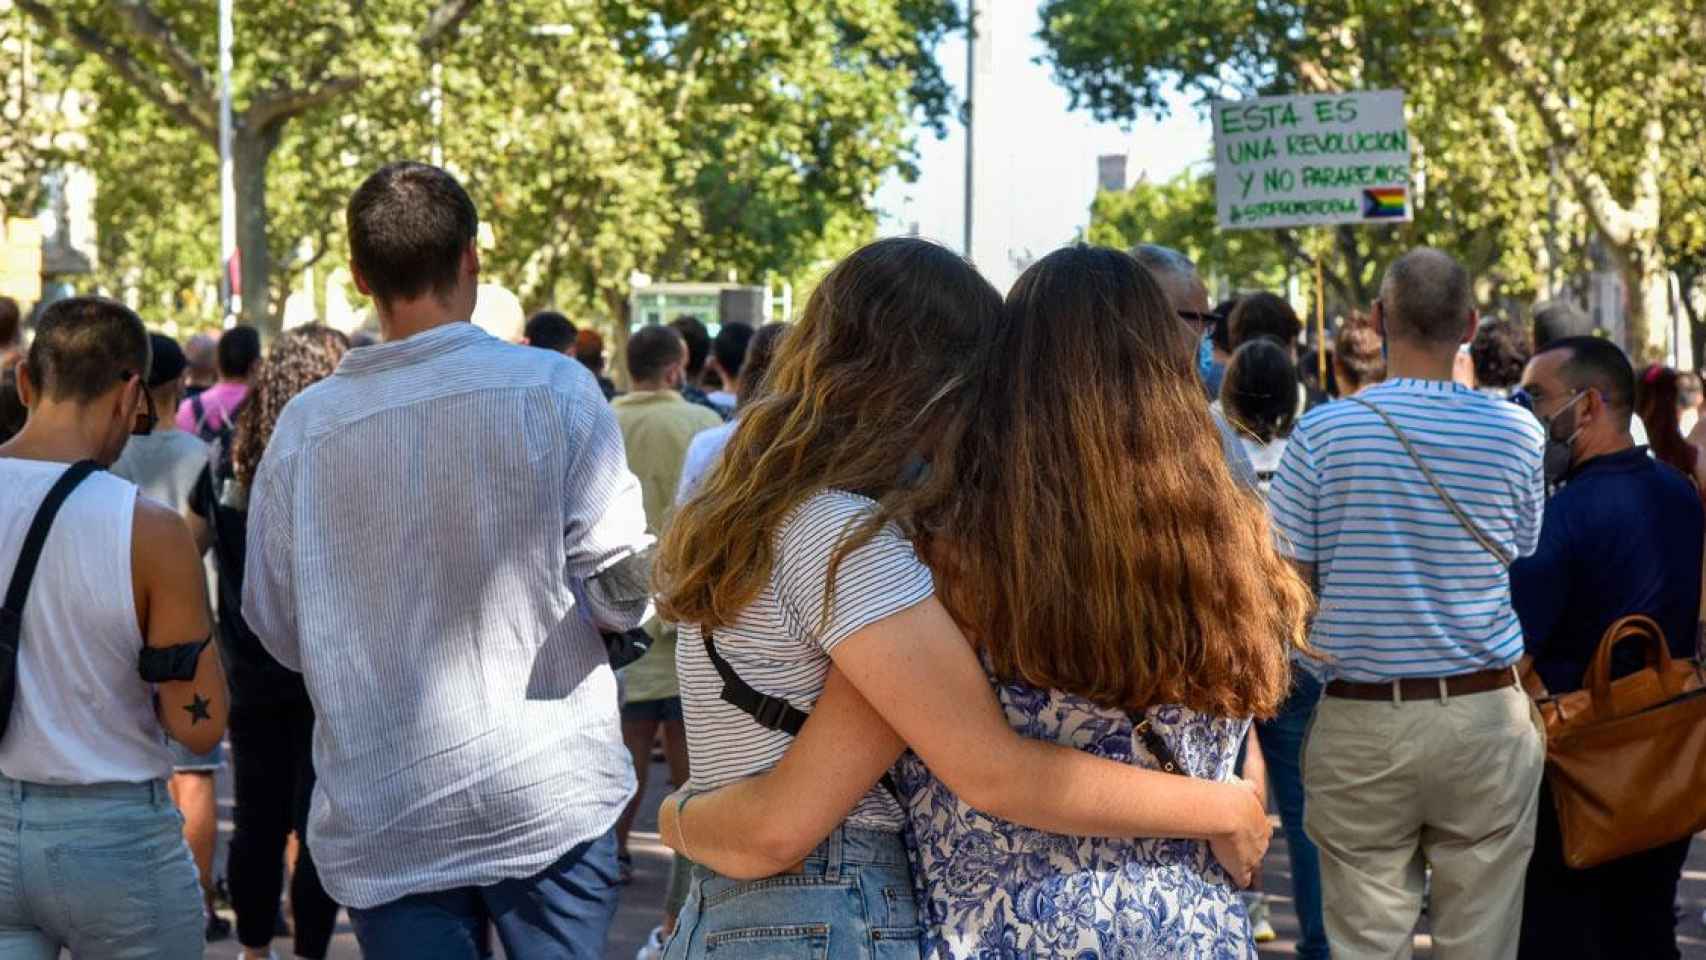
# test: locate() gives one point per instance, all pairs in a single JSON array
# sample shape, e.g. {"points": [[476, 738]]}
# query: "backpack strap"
{"points": [[200, 411], [771, 713]]}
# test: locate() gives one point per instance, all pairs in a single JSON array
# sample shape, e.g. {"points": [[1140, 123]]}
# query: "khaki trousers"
{"points": [[1453, 783]]}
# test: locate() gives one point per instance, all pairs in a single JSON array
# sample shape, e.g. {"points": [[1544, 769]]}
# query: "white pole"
{"points": [[971, 106], [437, 113], [227, 173]]}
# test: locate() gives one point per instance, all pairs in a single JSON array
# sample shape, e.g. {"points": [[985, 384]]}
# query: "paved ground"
{"points": [[642, 901]]}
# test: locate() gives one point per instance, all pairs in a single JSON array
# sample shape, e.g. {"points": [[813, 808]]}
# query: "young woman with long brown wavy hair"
{"points": [[1084, 522], [1126, 601], [272, 721]]}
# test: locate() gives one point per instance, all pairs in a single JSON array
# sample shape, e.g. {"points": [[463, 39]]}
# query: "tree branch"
{"points": [[441, 26], [278, 106], [1614, 221], [148, 84], [153, 28]]}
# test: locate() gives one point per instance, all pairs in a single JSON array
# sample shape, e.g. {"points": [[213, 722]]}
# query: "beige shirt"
{"points": [[657, 427]]}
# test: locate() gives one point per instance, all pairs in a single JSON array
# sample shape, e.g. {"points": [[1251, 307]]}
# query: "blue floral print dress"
{"points": [[993, 890]]}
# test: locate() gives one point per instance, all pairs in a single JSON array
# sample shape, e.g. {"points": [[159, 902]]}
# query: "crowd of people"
{"points": [[968, 625]]}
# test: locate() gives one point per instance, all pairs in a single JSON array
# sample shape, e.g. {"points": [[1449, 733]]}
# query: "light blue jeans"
{"points": [[851, 900], [100, 870]]}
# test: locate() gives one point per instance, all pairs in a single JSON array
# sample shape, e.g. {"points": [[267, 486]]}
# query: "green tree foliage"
{"points": [[1179, 213], [686, 139], [1537, 124]]}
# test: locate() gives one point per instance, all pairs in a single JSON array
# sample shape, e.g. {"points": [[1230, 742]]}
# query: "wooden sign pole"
{"points": [[1320, 322]]}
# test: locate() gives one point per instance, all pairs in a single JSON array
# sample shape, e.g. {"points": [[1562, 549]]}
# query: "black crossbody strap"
{"points": [[36, 538], [771, 713], [1480, 536], [1143, 730], [12, 610]]}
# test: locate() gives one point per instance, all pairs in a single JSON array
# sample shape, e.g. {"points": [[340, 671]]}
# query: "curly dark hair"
{"points": [[299, 359], [1500, 350]]}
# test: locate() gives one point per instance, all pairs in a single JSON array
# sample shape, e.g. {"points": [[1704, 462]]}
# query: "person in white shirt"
{"points": [[728, 351], [469, 758], [1258, 397], [703, 452], [104, 634]]}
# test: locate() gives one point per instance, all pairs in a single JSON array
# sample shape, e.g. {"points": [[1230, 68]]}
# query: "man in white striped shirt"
{"points": [[437, 535], [1423, 747]]}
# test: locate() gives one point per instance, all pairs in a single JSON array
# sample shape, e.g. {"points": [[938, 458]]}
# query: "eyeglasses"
{"points": [[149, 417]]}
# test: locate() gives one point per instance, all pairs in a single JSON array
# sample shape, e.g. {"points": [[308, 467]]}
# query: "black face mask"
{"points": [[1560, 452]]}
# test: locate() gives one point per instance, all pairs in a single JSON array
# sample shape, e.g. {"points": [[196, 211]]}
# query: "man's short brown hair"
{"points": [[84, 346]]}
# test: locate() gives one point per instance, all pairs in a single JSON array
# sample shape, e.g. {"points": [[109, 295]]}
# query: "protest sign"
{"points": [[1311, 160]]}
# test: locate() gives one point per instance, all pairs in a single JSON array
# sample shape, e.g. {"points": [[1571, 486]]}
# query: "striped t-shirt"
{"points": [[1405, 589], [780, 643]]}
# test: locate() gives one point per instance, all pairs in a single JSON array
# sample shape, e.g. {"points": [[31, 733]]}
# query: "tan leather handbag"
{"points": [[1626, 759]]}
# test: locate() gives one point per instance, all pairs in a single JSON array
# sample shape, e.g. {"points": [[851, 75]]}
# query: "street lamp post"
{"points": [[229, 283]]}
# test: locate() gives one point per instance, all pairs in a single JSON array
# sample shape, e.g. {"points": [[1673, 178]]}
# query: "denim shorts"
{"points": [[851, 900], [667, 710], [99, 870]]}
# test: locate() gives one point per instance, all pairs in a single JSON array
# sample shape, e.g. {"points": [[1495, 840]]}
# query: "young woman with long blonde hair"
{"points": [[1122, 592]]}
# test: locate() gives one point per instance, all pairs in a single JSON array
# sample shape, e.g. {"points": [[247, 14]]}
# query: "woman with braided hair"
{"points": [[272, 722]]}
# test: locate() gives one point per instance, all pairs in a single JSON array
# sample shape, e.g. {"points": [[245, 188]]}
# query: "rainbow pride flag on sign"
{"points": [[1382, 203]]}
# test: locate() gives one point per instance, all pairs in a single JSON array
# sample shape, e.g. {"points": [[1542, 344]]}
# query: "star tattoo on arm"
{"points": [[197, 708]]}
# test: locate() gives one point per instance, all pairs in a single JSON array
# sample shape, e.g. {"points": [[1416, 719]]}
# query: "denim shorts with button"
{"points": [[100, 870], [852, 899]]}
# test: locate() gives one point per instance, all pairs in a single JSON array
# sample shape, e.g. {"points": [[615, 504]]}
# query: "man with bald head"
{"points": [[1177, 275], [1405, 507]]}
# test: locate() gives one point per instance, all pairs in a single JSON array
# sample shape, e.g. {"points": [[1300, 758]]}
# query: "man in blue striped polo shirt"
{"points": [[1423, 747]]}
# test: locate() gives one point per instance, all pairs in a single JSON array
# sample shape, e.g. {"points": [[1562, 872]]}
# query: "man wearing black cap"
{"points": [[164, 465]]}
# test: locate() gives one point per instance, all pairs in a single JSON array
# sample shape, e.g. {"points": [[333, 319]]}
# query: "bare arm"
{"points": [[923, 681], [919, 672], [171, 592], [1256, 767], [762, 826]]}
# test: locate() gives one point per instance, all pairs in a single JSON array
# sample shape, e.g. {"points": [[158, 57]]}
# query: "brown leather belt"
{"points": [[1425, 688]]}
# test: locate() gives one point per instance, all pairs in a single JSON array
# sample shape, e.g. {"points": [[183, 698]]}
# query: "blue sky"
{"points": [[1039, 157]]}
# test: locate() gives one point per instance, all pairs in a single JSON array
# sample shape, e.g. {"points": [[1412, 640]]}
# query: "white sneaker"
{"points": [[653, 950], [1261, 929]]}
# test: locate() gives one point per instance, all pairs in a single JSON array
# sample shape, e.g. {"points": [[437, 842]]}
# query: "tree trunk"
{"points": [[1356, 265], [1643, 268], [1688, 279], [616, 358], [251, 151]]}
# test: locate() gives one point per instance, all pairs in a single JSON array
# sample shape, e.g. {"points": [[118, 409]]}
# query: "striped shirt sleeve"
{"points": [[1531, 507], [878, 580], [1294, 498], [604, 518]]}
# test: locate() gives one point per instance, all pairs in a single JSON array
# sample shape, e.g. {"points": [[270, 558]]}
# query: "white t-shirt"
{"points": [[780, 643], [1264, 459], [724, 401], [702, 453]]}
